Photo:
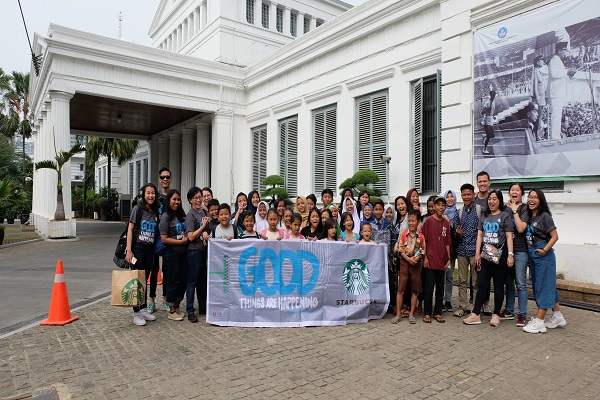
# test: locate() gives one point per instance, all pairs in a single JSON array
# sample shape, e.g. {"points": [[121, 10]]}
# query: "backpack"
{"points": [[121, 249]]}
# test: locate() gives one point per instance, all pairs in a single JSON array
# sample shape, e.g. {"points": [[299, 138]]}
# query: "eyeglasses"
{"points": [[197, 198], [165, 177]]}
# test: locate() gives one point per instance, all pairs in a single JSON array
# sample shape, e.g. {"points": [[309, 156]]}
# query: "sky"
{"points": [[100, 17]]}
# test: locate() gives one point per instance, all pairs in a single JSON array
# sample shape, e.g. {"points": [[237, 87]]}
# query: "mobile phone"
{"points": [[133, 260]]}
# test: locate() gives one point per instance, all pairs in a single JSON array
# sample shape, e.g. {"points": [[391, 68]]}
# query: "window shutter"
{"points": [[331, 149], [282, 152], [372, 122], [131, 178], [259, 157], [319, 151], [418, 134], [288, 153], [250, 11], [438, 126]]}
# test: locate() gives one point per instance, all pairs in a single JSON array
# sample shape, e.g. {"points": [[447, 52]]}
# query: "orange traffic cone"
{"points": [[59, 312], [159, 279]]}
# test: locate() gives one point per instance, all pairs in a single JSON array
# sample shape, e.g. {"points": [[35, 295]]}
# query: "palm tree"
{"points": [[57, 164], [16, 97], [122, 150]]}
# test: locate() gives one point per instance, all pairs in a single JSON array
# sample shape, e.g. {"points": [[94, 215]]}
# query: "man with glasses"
{"points": [[164, 176]]}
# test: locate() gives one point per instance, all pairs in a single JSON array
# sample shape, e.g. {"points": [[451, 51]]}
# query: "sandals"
{"points": [[439, 318], [427, 319], [396, 319]]}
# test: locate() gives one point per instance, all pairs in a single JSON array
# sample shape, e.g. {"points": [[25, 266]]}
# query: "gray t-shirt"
{"points": [[144, 232], [494, 228], [223, 233], [483, 203], [174, 228], [193, 221], [539, 228]]}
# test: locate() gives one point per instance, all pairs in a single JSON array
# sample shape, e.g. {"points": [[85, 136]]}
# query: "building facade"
{"points": [[314, 90]]}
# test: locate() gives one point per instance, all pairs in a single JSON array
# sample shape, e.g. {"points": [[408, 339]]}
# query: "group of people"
{"points": [[492, 240], [580, 119]]}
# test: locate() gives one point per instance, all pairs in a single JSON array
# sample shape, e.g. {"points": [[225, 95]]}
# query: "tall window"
{"points": [[279, 21], [104, 177], [293, 23], [144, 172], [99, 180], [426, 134], [306, 23], [250, 11], [265, 15], [288, 153], [131, 183], [259, 157], [138, 175], [325, 148], [372, 127]]}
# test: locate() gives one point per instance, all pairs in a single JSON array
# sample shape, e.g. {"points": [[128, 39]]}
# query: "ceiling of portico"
{"points": [[106, 116]]}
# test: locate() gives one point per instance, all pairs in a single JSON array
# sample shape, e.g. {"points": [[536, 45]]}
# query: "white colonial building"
{"points": [[313, 90]]}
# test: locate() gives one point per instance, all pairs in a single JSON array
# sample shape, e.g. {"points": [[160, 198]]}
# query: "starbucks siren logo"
{"points": [[356, 276], [133, 291]]}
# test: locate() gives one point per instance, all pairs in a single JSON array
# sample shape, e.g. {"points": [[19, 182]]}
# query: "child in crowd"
{"points": [[302, 210], [311, 202], [294, 232], [272, 232], [350, 207], [314, 231], [248, 232], [213, 218], [325, 215], [348, 233], [367, 214], [389, 214], [287, 218], [241, 203], [261, 216], [280, 207], [363, 199], [436, 230], [430, 208], [173, 235], [381, 233], [336, 218], [449, 214], [225, 230], [366, 231], [326, 198], [410, 247], [330, 232]]}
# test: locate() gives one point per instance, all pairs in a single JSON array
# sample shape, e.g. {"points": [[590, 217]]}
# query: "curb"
{"points": [[6, 246]]}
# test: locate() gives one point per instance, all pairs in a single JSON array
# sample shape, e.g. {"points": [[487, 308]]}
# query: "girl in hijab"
{"points": [[261, 216], [450, 212], [302, 210], [389, 214], [347, 192], [367, 214], [253, 200], [350, 207]]}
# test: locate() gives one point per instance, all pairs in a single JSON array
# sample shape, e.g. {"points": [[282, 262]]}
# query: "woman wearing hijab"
{"points": [[350, 207], [347, 192], [260, 217], [302, 209], [450, 213]]}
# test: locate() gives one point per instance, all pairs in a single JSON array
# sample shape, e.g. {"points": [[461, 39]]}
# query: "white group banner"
{"points": [[258, 283]]}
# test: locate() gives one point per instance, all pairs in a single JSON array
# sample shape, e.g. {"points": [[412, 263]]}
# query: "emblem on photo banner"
{"points": [[502, 32], [356, 276], [133, 292]]}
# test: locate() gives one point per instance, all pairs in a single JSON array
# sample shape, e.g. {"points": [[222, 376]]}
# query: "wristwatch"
{"points": [[510, 253]]}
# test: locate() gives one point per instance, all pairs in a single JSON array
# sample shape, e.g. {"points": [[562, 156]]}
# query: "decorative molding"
{"points": [[498, 10], [258, 116], [371, 78], [421, 60], [324, 93], [287, 106]]}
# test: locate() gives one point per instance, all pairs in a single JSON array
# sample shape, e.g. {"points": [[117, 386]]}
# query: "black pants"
{"points": [[145, 261], [174, 262], [488, 271], [434, 278], [196, 281]]}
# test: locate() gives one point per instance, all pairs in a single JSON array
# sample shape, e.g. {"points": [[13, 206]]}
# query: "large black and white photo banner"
{"points": [[258, 283], [537, 92]]}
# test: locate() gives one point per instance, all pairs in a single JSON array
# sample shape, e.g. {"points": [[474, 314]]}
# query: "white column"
{"points": [[305, 175], [163, 156], [221, 151], [203, 14], [202, 154], [35, 190], [61, 129], [197, 20], [175, 159], [313, 23], [286, 21], [45, 175], [300, 24], [153, 162], [185, 33], [193, 24], [188, 164], [273, 16], [258, 12], [272, 145]]}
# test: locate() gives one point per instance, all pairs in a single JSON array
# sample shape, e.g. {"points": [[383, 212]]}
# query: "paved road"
{"points": [[104, 356], [27, 271]]}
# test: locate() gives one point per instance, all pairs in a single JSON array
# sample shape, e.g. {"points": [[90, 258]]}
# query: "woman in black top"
{"points": [[314, 230]]}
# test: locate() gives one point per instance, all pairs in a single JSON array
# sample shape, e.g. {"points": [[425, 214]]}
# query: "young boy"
{"points": [[248, 221], [466, 221], [213, 218], [224, 230], [436, 231], [366, 232], [381, 233], [326, 198]]}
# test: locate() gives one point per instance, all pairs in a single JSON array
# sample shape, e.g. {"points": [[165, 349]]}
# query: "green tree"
{"points": [[362, 180], [17, 120], [121, 150], [57, 164], [274, 188]]}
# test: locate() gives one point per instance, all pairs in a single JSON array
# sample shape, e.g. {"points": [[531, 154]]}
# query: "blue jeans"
{"points": [[544, 276], [449, 281], [196, 281], [518, 275]]}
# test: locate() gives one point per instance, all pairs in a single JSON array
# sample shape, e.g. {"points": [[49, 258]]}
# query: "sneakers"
{"points": [[146, 315], [495, 321], [176, 315], [165, 306], [412, 319], [192, 318], [506, 315], [138, 320], [151, 306], [556, 321], [521, 321], [472, 319], [459, 313], [535, 325]]}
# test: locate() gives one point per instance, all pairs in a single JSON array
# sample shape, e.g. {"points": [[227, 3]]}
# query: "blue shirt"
{"points": [[381, 233], [467, 218]]}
